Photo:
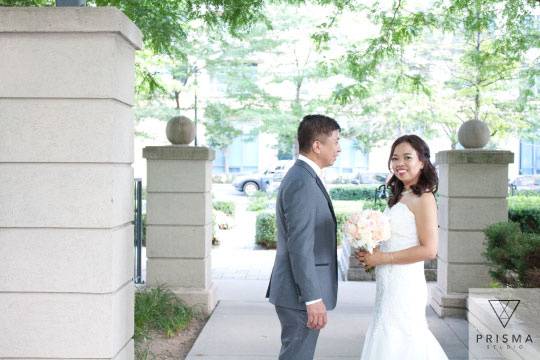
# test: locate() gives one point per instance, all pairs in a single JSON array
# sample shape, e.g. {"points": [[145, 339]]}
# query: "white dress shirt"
{"points": [[318, 171]]}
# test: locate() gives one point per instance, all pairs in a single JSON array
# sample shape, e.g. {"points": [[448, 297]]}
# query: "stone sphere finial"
{"points": [[180, 130], [473, 134]]}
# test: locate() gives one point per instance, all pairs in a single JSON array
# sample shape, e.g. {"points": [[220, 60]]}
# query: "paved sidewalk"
{"points": [[244, 325], [237, 256]]}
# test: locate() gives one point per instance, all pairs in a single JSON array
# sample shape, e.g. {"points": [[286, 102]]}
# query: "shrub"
{"points": [[529, 262], [362, 192], [514, 256], [526, 211], [226, 207], [159, 309], [265, 230], [502, 241], [259, 201]]}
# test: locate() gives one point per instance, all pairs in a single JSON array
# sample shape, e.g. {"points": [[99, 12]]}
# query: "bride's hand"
{"points": [[368, 260]]}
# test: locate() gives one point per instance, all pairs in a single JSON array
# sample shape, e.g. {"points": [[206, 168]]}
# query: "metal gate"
{"points": [[138, 228]]}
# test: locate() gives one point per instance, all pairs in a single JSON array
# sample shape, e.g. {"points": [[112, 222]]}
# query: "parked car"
{"points": [[373, 178], [526, 182], [267, 180]]}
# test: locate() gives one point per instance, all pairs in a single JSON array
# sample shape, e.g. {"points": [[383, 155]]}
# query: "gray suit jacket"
{"points": [[305, 267]]}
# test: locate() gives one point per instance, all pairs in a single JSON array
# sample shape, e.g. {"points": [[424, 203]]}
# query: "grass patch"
{"points": [[347, 206], [160, 310]]}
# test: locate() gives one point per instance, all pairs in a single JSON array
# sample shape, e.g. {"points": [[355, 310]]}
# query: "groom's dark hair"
{"points": [[312, 127]]}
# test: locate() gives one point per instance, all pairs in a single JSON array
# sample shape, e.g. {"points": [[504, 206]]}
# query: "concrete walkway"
{"points": [[244, 325], [238, 257]]}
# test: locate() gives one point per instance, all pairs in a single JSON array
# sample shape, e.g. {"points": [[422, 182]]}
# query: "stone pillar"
{"points": [[66, 148], [179, 222], [473, 186]]}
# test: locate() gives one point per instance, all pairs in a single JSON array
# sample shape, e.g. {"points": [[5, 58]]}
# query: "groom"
{"points": [[303, 285]]}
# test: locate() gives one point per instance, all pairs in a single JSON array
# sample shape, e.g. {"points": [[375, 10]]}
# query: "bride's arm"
{"points": [[425, 213]]}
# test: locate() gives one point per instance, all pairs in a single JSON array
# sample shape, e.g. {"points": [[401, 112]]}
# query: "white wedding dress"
{"points": [[399, 328]]}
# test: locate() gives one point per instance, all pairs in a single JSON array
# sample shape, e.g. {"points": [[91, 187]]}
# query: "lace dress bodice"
{"points": [[402, 223]]}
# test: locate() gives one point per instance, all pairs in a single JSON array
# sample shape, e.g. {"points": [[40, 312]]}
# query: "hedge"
{"points": [[363, 192], [525, 210], [525, 193]]}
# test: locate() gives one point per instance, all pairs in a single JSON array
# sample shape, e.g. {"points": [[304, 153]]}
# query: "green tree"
{"points": [[220, 129], [295, 73], [165, 24], [241, 102], [495, 37], [269, 96]]}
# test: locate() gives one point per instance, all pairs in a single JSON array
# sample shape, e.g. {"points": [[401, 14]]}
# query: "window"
{"points": [[529, 159]]}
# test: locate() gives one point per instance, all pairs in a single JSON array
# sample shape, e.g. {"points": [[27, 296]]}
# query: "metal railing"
{"points": [[380, 193], [138, 229]]}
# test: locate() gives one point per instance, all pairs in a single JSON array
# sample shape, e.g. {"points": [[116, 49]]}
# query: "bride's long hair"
{"points": [[428, 179]]}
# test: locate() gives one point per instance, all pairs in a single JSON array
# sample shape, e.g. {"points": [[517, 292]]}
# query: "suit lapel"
{"points": [[323, 189], [321, 186]]}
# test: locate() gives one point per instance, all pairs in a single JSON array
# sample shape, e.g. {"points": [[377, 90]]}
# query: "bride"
{"points": [[399, 329]]}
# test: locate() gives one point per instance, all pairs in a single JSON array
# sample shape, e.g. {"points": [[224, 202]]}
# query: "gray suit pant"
{"points": [[297, 340]]}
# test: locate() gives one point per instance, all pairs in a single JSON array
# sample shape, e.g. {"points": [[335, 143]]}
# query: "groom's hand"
{"points": [[316, 316]]}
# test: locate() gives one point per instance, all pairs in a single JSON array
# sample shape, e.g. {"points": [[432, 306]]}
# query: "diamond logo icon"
{"points": [[504, 309]]}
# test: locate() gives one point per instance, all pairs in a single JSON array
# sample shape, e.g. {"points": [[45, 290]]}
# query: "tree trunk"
{"points": [[226, 161], [177, 99], [478, 80]]}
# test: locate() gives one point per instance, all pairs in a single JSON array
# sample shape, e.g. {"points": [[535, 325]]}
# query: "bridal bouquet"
{"points": [[367, 229]]}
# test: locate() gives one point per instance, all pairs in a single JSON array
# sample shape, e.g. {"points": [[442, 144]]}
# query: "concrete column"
{"points": [[473, 186], [66, 148], [179, 222]]}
